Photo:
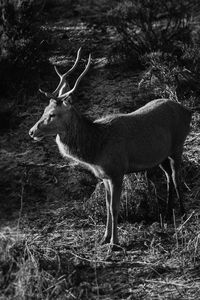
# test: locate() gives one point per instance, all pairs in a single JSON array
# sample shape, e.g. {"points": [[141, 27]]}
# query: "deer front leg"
{"points": [[107, 235], [116, 188]]}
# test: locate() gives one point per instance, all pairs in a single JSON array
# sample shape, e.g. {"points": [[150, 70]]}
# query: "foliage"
{"points": [[169, 77], [160, 75], [94, 12], [61, 8], [20, 42], [146, 26]]}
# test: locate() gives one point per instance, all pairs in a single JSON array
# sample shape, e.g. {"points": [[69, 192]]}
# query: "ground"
{"points": [[53, 217]]}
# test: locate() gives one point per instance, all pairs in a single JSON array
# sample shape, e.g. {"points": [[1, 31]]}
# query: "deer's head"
{"points": [[57, 113]]}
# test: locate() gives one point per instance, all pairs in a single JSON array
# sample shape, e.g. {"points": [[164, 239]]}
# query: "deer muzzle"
{"points": [[35, 133]]}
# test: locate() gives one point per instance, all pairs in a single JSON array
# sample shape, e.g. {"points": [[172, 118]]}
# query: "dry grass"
{"points": [[69, 263]]}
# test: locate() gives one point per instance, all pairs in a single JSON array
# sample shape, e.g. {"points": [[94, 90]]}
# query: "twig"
{"points": [[34, 165], [90, 260], [168, 283], [24, 178], [180, 228]]}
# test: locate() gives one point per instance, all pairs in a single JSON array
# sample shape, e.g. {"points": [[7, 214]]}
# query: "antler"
{"points": [[62, 84], [67, 94]]}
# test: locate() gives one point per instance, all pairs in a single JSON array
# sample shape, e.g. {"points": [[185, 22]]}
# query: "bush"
{"points": [[169, 77], [20, 44], [160, 75], [146, 26]]}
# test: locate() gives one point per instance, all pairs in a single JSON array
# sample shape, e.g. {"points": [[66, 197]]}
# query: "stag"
{"points": [[115, 145]]}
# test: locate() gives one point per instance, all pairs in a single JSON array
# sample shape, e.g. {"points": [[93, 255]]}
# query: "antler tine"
{"points": [[75, 64], [63, 76], [57, 72], [78, 80]]}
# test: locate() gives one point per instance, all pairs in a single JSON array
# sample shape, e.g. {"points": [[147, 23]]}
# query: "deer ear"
{"points": [[67, 101], [47, 94]]}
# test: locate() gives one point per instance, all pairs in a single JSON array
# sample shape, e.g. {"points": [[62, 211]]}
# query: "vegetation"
{"points": [[148, 26], [52, 216], [167, 76], [21, 45]]}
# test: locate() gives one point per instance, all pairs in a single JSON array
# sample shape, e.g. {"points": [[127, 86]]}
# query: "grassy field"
{"points": [[53, 212]]}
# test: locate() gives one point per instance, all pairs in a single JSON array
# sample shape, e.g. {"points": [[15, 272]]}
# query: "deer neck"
{"points": [[80, 139]]}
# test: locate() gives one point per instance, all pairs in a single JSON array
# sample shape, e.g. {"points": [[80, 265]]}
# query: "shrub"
{"points": [[171, 77], [20, 43], [147, 26], [160, 75]]}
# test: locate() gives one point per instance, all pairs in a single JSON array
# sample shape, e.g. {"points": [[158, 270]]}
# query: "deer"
{"points": [[118, 144]]}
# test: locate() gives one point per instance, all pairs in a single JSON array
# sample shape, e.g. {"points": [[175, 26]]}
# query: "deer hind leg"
{"points": [[166, 167], [107, 235], [175, 162]]}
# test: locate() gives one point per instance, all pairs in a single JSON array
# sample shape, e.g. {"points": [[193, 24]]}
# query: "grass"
{"points": [[68, 263]]}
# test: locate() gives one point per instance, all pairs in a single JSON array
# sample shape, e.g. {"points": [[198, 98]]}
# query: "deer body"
{"points": [[126, 143], [118, 144]]}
